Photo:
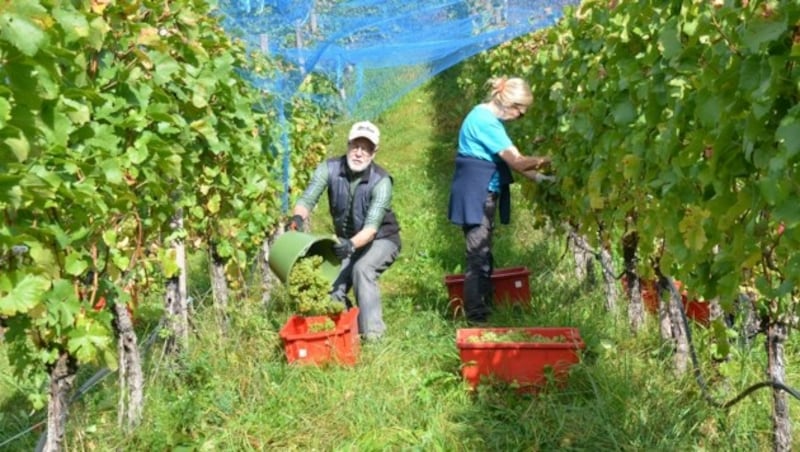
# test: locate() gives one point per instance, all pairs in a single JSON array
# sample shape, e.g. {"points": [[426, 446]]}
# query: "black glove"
{"points": [[344, 248], [295, 224]]}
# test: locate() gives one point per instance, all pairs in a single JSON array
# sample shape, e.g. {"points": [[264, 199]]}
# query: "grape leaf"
{"points": [[24, 296], [22, 33], [74, 264], [760, 31], [691, 228], [73, 23], [20, 147], [788, 134], [87, 339], [112, 171], [669, 39]]}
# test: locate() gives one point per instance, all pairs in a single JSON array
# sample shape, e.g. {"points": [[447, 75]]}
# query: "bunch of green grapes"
{"points": [[309, 291], [318, 327], [514, 336]]}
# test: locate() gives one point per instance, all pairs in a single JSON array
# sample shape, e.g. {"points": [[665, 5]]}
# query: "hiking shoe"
{"points": [[478, 322]]}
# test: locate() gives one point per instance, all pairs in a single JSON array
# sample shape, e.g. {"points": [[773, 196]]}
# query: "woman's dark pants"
{"points": [[480, 263]]}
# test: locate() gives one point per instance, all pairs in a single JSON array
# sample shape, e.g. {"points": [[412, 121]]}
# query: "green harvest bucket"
{"points": [[292, 245]]}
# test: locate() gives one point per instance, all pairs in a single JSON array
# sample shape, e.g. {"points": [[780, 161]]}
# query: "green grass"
{"points": [[236, 392]]}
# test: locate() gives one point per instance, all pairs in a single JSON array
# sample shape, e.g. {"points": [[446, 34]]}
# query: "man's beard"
{"points": [[357, 167]]}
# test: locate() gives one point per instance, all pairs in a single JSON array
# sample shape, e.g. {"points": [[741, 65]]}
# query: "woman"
{"points": [[484, 162]]}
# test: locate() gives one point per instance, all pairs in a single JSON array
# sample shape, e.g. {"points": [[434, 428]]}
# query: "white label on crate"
{"points": [[517, 284], [302, 353]]}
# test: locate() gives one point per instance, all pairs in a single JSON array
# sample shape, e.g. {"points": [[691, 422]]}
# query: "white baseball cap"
{"points": [[365, 129]]}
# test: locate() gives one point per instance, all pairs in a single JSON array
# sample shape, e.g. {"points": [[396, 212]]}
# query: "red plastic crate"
{"points": [[511, 286], [650, 295], [697, 310], [524, 363], [341, 345]]}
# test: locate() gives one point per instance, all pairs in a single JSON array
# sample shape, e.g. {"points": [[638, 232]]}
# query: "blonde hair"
{"points": [[506, 92]]}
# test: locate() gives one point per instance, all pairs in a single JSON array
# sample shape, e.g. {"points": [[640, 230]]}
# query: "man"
{"points": [[359, 201]]}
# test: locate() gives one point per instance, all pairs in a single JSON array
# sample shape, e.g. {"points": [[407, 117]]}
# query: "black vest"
{"points": [[345, 209]]}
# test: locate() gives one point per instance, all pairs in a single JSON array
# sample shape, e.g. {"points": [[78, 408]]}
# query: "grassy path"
{"points": [[409, 137]]}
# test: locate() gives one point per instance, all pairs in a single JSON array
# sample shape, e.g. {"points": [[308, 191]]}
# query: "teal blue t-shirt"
{"points": [[483, 136]]}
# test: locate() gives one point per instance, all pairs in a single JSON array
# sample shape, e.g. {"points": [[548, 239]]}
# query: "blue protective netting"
{"points": [[372, 51], [375, 51]]}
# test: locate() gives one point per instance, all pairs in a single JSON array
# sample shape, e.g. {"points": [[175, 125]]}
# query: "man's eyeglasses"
{"points": [[353, 146]]}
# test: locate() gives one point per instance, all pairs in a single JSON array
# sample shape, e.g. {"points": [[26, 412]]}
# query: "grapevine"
{"points": [[677, 121], [114, 117]]}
